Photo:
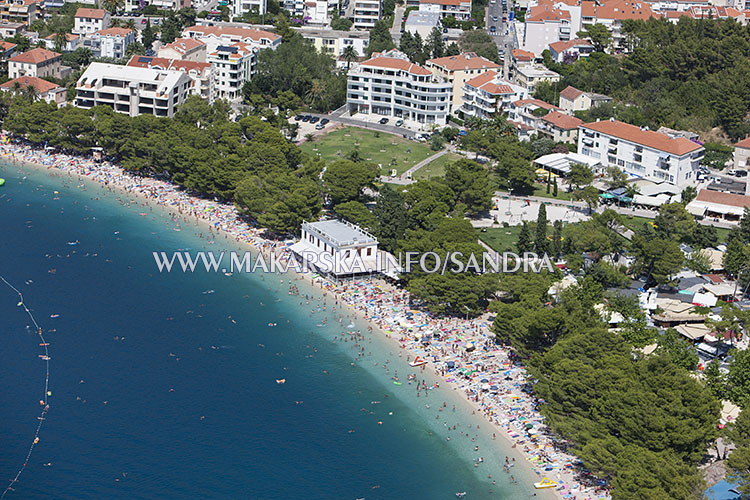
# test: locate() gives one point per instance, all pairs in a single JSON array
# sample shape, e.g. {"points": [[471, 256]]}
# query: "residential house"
{"points": [[7, 50], [422, 22], [46, 91], [572, 100], [532, 75], [742, 154], [21, 11], [71, 43], [9, 30], [202, 74], [367, 13], [560, 127], [185, 49], [170, 4], [389, 84], [456, 70], [460, 9], [335, 42], [640, 152], [526, 116], [242, 7], [131, 90], [570, 51], [488, 95], [89, 21], [316, 12], [111, 42], [612, 13], [35, 62]]}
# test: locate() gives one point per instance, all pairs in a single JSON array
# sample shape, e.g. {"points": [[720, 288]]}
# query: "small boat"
{"points": [[418, 361], [461, 494], [545, 483], [280, 380]]}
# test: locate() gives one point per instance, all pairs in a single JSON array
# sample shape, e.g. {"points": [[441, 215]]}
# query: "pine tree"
{"points": [[554, 189], [524, 244], [435, 45], [549, 182], [147, 36], [557, 237], [541, 245]]}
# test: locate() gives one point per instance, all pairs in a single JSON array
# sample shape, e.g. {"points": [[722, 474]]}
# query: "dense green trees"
{"points": [[479, 42], [694, 74]]}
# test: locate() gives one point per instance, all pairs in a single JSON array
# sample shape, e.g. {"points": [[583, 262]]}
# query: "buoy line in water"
{"points": [[44, 401]]}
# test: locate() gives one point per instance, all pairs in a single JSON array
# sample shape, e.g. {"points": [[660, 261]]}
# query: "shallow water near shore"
{"points": [[164, 385]]}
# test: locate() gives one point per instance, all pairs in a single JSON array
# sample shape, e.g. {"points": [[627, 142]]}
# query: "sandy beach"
{"points": [[458, 353]]}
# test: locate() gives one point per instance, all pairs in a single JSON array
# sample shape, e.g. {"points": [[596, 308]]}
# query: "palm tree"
{"points": [[130, 24], [61, 38], [349, 54], [113, 5], [631, 190], [315, 94]]}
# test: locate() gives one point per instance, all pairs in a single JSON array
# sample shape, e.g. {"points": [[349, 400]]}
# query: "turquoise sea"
{"points": [[164, 385]]}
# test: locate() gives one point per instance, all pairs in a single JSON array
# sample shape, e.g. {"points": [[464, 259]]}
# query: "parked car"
{"points": [[741, 173], [306, 118], [493, 29], [298, 118], [324, 121], [494, 18], [314, 119], [399, 122], [383, 121], [143, 21], [319, 126]]}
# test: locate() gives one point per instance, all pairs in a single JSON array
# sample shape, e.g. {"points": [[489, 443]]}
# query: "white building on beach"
{"points": [[341, 248]]}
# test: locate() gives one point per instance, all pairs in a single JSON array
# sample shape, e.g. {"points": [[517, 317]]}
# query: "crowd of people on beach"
{"points": [[462, 352]]}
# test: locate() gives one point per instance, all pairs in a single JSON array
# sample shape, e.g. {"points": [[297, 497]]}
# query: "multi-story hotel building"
{"points": [[132, 91], [367, 13], [486, 95], [202, 74], [640, 152], [389, 84]]}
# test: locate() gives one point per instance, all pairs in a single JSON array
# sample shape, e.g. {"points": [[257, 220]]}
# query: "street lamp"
{"points": [[510, 192]]}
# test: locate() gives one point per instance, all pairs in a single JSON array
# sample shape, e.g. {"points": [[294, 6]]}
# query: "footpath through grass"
{"points": [[436, 168], [377, 147]]}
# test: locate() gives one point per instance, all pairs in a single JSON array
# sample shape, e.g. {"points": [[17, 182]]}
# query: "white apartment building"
{"points": [[389, 84], [460, 9], [458, 69], [185, 49], [132, 91], [640, 152], [612, 13], [488, 95], [422, 22], [46, 91], [523, 116], [213, 36], [202, 74], [89, 21], [367, 13], [295, 7], [234, 65], [544, 24], [316, 12], [335, 42], [532, 75], [242, 7], [111, 42]]}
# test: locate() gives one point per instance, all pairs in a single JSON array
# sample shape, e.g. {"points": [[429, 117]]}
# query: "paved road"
{"points": [[396, 29], [506, 43], [336, 116]]}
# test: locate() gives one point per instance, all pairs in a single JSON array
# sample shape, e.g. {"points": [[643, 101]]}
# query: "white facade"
{"points": [[460, 9], [316, 12], [487, 95], [532, 75], [112, 42], [641, 152], [335, 42], [213, 36], [235, 65], [389, 84], [132, 91], [89, 21], [241, 7], [202, 74], [186, 49], [367, 13], [422, 22]]}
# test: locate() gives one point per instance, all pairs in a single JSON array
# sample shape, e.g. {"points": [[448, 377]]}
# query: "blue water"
{"points": [[157, 393]]}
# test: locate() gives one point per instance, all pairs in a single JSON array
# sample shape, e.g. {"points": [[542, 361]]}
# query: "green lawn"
{"points": [[500, 239], [377, 147], [436, 168]]}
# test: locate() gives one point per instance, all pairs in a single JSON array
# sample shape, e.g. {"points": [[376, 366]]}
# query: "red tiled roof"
{"points": [[253, 34], [536, 102], [183, 45], [486, 82], [91, 13], [617, 9], [562, 121], [744, 143], [463, 62], [5, 46], [714, 278], [546, 12], [68, 37], [379, 61], [523, 55], [729, 199], [679, 146], [34, 56], [570, 93], [165, 63], [561, 46], [41, 86], [115, 32]]}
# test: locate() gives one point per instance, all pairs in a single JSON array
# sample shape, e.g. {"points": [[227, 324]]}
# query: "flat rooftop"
{"points": [[340, 232]]}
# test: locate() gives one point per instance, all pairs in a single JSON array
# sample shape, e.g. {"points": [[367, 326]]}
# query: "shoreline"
{"points": [[507, 413]]}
